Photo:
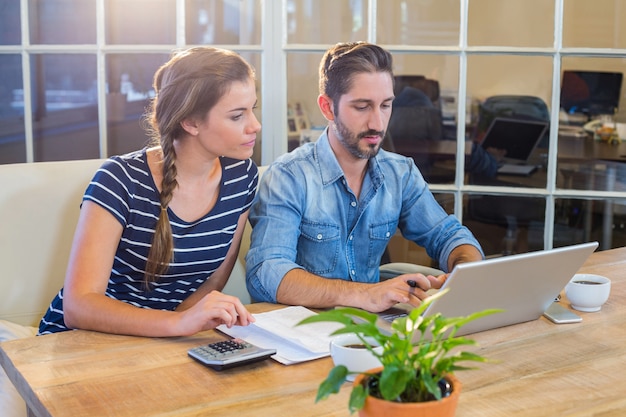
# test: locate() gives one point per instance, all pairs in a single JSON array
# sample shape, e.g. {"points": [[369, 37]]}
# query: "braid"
{"points": [[162, 249]]}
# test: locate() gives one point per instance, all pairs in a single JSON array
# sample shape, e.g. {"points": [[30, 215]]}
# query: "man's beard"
{"points": [[351, 141]]}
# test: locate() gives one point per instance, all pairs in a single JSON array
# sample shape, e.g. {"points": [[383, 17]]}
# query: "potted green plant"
{"points": [[418, 359]]}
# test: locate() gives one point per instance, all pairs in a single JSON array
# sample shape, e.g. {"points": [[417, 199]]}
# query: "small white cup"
{"points": [[588, 292], [348, 350]]}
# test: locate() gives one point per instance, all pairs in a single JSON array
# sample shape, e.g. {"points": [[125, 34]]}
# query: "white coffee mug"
{"points": [[588, 292], [348, 350]]}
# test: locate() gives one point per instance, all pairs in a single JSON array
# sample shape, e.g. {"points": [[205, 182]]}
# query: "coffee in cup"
{"points": [[349, 350], [588, 292]]}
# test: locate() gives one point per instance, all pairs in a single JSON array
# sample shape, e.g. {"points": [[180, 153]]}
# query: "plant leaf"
{"points": [[357, 398], [343, 315], [394, 379], [411, 371], [431, 382], [365, 326], [331, 385]]}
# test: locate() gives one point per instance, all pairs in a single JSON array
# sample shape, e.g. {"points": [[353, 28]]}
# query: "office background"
{"points": [[76, 77]]}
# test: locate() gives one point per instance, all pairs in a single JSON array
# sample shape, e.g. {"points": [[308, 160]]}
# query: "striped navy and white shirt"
{"points": [[125, 187]]}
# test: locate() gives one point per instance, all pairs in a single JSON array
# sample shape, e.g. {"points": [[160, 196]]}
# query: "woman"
{"points": [[160, 228]]}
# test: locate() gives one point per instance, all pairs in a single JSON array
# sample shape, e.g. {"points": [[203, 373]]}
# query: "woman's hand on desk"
{"points": [[212, 310]]}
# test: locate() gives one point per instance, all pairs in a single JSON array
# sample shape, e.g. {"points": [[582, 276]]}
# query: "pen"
{"points": [[412, 283]]}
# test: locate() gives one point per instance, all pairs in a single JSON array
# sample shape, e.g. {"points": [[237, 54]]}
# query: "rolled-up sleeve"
{"points": [[275, 217]]}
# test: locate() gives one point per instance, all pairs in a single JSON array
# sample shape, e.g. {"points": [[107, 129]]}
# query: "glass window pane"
{"points": [[506, 224], [302, 92], [10, 32], [132, 74], [211, 22], [577, 174], [129, 89], [446, 201], [128, 23], [589, 159], [423, 120], [129, 81], [525, 23], [326, 21], [593, 86], [62, 21], [65, 110], [579, 221], [12, 137], [594, 24], [418, 22], [510, 86], [491, 75]]}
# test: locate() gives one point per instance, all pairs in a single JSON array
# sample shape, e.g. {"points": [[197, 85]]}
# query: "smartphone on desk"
{"points": [[558, 314]]}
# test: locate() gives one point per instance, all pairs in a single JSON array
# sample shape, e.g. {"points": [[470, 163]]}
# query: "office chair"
{"points": [[429, 87], [511, 106], [416, 111], [415, 117]]}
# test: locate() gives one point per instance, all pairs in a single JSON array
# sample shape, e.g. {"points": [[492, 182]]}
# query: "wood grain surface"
{"points": [[539, 369]]}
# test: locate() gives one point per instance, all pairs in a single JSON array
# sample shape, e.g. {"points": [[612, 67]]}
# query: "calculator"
{"points": [[229, 353]]}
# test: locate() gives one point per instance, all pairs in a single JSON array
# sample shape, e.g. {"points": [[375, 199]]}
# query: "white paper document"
{"points": [[277, 329]]}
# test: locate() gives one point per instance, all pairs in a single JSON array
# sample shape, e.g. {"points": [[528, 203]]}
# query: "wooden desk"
{"points": [[577, 149], [545, 370]]}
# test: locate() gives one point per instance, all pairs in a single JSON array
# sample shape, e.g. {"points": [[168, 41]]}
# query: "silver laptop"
{"points": [[523, 285], [518, 138]]}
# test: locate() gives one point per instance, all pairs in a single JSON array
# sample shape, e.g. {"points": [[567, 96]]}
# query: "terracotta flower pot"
{"points": [[445, 408]]}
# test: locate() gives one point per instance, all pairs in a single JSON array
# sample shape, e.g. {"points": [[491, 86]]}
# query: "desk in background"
{"points": [[512, 223], [570, 150], [582, 164], [592, 165], [544, 370]]}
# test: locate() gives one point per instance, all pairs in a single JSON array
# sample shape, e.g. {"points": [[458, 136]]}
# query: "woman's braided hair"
{"points": [[187, 86]]}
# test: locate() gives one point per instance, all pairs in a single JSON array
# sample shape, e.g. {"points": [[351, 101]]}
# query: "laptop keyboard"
{"points": [[513, 169], [392, 315]]}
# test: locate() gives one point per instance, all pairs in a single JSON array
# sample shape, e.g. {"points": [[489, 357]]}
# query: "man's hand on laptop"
{"points": [[425, 282], [407, 288], [425, 287]]}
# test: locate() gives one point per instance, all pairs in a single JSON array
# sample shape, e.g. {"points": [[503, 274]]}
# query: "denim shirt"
{"points": [[305, 216]]}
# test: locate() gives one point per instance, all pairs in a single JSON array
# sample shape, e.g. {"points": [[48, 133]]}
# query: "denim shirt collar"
{"points": [[331, 170]]}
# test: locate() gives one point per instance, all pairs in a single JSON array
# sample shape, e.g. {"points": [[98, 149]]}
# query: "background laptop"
{"points": [[523, 285], [519, 138]]}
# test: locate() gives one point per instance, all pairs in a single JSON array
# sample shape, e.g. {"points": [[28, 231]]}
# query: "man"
{"points": [[326, 211]]}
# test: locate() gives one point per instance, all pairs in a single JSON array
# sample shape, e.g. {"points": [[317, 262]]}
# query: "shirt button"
{"points": [[353, 204], [388, 234], [353, 272], [319, 236], [350, 237]]}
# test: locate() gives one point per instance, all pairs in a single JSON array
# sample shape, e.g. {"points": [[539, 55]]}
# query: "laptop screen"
{"points": [[518, 137]]}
